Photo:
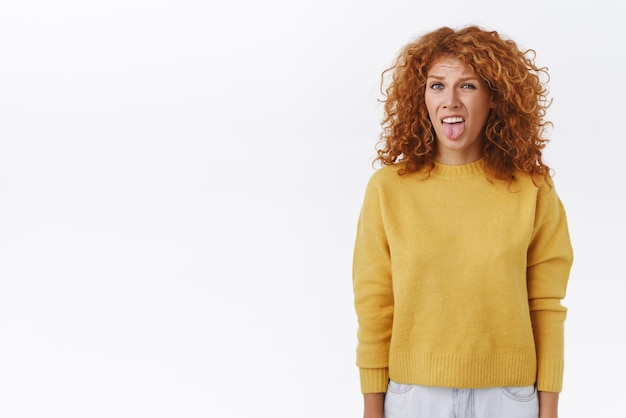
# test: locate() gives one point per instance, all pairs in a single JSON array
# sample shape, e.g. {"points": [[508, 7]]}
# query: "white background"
{"points": [[180, 183]]}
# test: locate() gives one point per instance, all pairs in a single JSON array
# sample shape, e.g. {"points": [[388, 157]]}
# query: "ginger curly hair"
{"points": [[514, 131]]}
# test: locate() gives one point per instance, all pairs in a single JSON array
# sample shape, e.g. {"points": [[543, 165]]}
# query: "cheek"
{"points": [[482, 109], [432, 116], [431, 107]]}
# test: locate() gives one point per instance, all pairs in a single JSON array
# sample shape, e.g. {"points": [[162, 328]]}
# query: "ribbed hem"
{"points": [[450, 370], [550, 375], [374, 380]]}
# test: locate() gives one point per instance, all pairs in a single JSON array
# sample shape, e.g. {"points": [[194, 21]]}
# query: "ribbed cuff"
{"points": [[550, 375], [374, 380]]}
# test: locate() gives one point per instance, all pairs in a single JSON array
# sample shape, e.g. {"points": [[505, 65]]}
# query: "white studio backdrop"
{"points": [[180, 182]]}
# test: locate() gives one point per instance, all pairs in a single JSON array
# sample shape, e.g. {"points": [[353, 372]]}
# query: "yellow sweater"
{"points": [[458, 280]]}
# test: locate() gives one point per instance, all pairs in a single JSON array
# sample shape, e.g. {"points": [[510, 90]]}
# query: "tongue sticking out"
{"points": [[453, 130]]}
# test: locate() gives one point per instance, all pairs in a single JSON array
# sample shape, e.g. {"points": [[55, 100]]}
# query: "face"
{"points": [[458, 103]]}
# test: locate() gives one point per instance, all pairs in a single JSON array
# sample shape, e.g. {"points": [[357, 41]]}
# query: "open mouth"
{"points": [[453, 126]]}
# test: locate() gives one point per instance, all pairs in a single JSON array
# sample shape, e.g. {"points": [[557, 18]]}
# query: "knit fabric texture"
{"points": [[459, 280]]}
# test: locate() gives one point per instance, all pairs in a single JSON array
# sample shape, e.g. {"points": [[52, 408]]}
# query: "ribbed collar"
{"points": [[466, 170]]}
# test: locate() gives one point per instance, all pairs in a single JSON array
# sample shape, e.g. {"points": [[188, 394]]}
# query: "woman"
{"points": [[462, 254]]}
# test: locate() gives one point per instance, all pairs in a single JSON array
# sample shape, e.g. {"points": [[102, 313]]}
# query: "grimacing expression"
{"points": [[458, 102]]}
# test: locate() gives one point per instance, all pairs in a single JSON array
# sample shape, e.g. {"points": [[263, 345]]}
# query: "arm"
{"points": [[549, 262], [373, 295], [548, 404], [373, 405]]}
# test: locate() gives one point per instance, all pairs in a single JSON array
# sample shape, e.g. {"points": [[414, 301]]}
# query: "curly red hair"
{"points": [[514, 131]]}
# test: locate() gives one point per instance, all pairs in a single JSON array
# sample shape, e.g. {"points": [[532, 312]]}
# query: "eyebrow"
{"points": [[466, 78]]}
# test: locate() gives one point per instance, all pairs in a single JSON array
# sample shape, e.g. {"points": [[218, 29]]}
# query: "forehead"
{"points": [[450, 65]]}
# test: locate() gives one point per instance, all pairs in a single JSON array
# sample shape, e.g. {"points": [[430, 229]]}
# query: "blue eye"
{"points": [[436, 86], [468, 86]]}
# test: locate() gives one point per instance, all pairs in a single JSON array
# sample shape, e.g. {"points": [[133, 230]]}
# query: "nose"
{"points": [[451, 100]]}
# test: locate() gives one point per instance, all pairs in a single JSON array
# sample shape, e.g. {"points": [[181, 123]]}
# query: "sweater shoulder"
{"points": [[383, 178], [389, 176], [386, 173], [548, 204], [545, 186]]}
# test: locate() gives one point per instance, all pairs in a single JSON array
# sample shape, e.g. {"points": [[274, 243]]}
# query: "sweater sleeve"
{"points": [[373, 296], [550, 259]]}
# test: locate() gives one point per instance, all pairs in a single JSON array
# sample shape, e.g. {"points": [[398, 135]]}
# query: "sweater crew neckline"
{"points": [[465, 170]]}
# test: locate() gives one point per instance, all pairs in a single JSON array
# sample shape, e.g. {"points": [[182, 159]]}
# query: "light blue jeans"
{"points": [[414, 401]]}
